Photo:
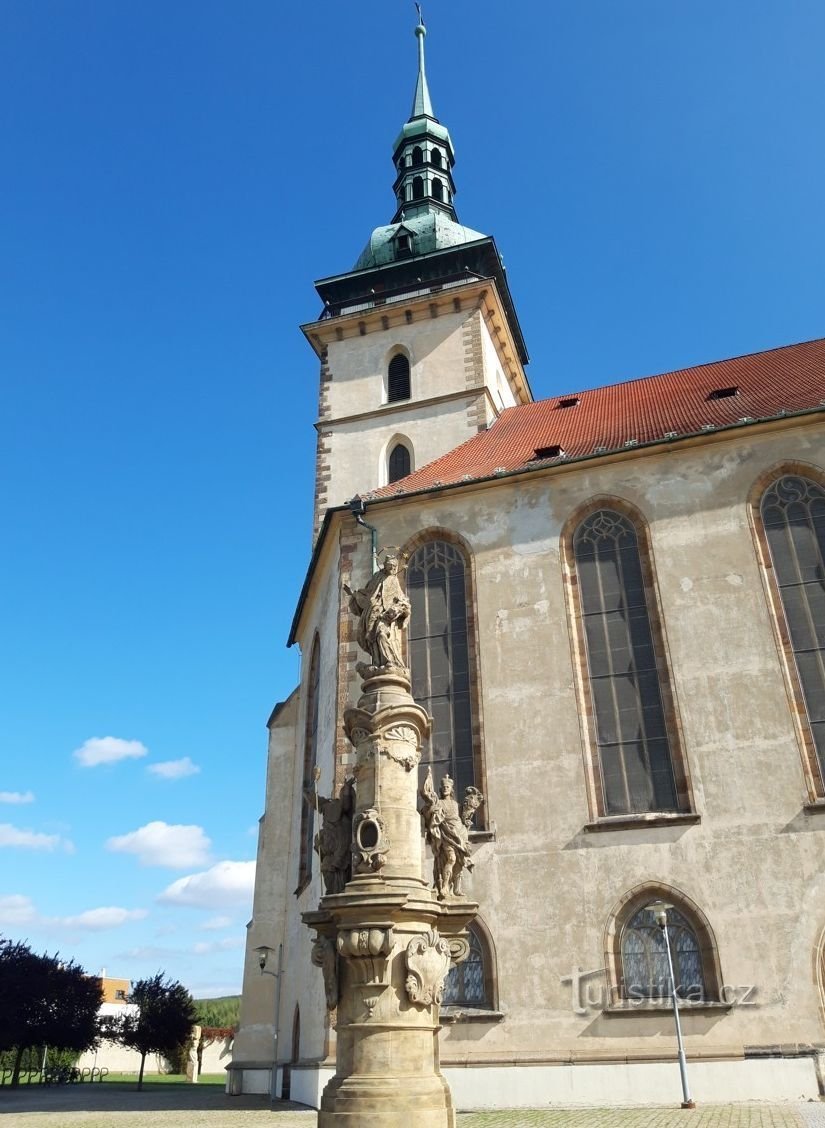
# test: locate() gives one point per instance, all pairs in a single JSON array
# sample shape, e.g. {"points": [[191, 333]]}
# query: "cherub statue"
{"points": [[447, 830], [333, 842], [383, 610]]}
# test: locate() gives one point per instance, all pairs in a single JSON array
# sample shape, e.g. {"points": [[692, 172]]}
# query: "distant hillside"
{"points": [[224, 1011]]}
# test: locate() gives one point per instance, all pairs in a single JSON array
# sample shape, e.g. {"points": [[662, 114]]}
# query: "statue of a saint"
{"points": [[447, 830], [333, 842], [383, 610]]}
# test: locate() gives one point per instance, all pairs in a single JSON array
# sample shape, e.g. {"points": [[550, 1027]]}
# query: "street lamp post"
{"points": [[659, 910], [264, 951]]}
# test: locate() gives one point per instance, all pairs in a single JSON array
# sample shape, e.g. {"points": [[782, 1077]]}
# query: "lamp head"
{"points": [[263, 954], [660, 910]]}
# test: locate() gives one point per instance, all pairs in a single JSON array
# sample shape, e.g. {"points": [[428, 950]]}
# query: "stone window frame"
{"points": [[623, 911], [397, 439], [813, 776], [310, 759], [491, 1010], [483, 825], [599, 818]]}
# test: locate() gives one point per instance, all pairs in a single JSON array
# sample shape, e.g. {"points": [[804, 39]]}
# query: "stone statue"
{"points": [[383, 610], [333, 842], [447, 830]]}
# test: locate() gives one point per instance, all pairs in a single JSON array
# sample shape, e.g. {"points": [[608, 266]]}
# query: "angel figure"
{"points": [[383, 610], [447, 830]]}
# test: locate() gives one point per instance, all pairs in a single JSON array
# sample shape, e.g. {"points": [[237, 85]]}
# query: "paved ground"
{"points": [[169, 1106]]}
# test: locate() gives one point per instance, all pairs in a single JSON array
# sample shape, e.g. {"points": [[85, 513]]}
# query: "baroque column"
{"points": [[386, 942]]}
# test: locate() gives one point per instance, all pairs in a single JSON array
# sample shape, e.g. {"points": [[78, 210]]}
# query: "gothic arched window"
{"points": [[468, 983], [644, 957], [398, 379], [633, 745], [310, 760], [793, 517], [398, 463], [439, 655], [438, 189], [418, 188]]}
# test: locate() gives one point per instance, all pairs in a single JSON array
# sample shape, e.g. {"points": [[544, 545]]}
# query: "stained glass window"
{"points": [[465, 984], [793, 513], [631, 735], [644, 958], [439, 658], [310, 760]]}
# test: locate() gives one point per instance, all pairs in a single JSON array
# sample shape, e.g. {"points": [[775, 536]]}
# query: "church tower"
{"points": [[419, 343]]}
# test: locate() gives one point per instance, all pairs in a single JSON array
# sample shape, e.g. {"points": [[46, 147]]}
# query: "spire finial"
{"points": [[422, 106]]}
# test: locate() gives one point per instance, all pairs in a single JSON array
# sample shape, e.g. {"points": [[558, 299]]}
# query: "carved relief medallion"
{"points": [[428, 961]]}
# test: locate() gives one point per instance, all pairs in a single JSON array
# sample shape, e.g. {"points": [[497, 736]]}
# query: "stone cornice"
{"points": [[481, 294], [409, 406]]}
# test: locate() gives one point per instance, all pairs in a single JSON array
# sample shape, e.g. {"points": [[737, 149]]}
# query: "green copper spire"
{"points": [[422, 105], [425, 219]]}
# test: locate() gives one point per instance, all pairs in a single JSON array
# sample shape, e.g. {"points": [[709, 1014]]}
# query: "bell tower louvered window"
{"points": [[631, 735], [439, 658], [793, 515], [398, 464], [398, 379]]}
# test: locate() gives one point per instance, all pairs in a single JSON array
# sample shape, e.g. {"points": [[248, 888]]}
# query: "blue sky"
{"points": [[175, 175]]}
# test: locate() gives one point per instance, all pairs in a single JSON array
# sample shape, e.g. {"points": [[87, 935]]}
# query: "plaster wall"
{"points": [[255, 1039], [547, 886], [452, 354], [607, 1085], [358, 365]]}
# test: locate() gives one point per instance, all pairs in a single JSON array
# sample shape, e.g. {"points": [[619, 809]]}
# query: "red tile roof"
{"points": [[768, 384]]}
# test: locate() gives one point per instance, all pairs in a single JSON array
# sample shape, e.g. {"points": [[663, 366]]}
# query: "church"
{"points": [[618, 629]]}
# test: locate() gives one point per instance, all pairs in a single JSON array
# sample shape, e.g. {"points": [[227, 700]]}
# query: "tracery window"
{"points": [[644, 957], [633, 744], [793, 516], [439, 658], [466, 984], [398, 379], [398, 463], [310, 760]]}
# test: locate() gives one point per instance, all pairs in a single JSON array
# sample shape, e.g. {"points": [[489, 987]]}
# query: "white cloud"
{"points": [[95, 920], [174, 769], [16, 909], [164, 844], [108, 750], [223, 886], [206, 948], [216, 923], [16, 796], [32, 839]]}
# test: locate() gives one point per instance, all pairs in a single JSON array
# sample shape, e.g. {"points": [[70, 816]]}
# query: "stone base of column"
{"points": [[387, 1102]]}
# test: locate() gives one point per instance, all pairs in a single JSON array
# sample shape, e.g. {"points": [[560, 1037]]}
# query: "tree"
{"points": [[163, 1021], [222, 1011], [45, 1001]]}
